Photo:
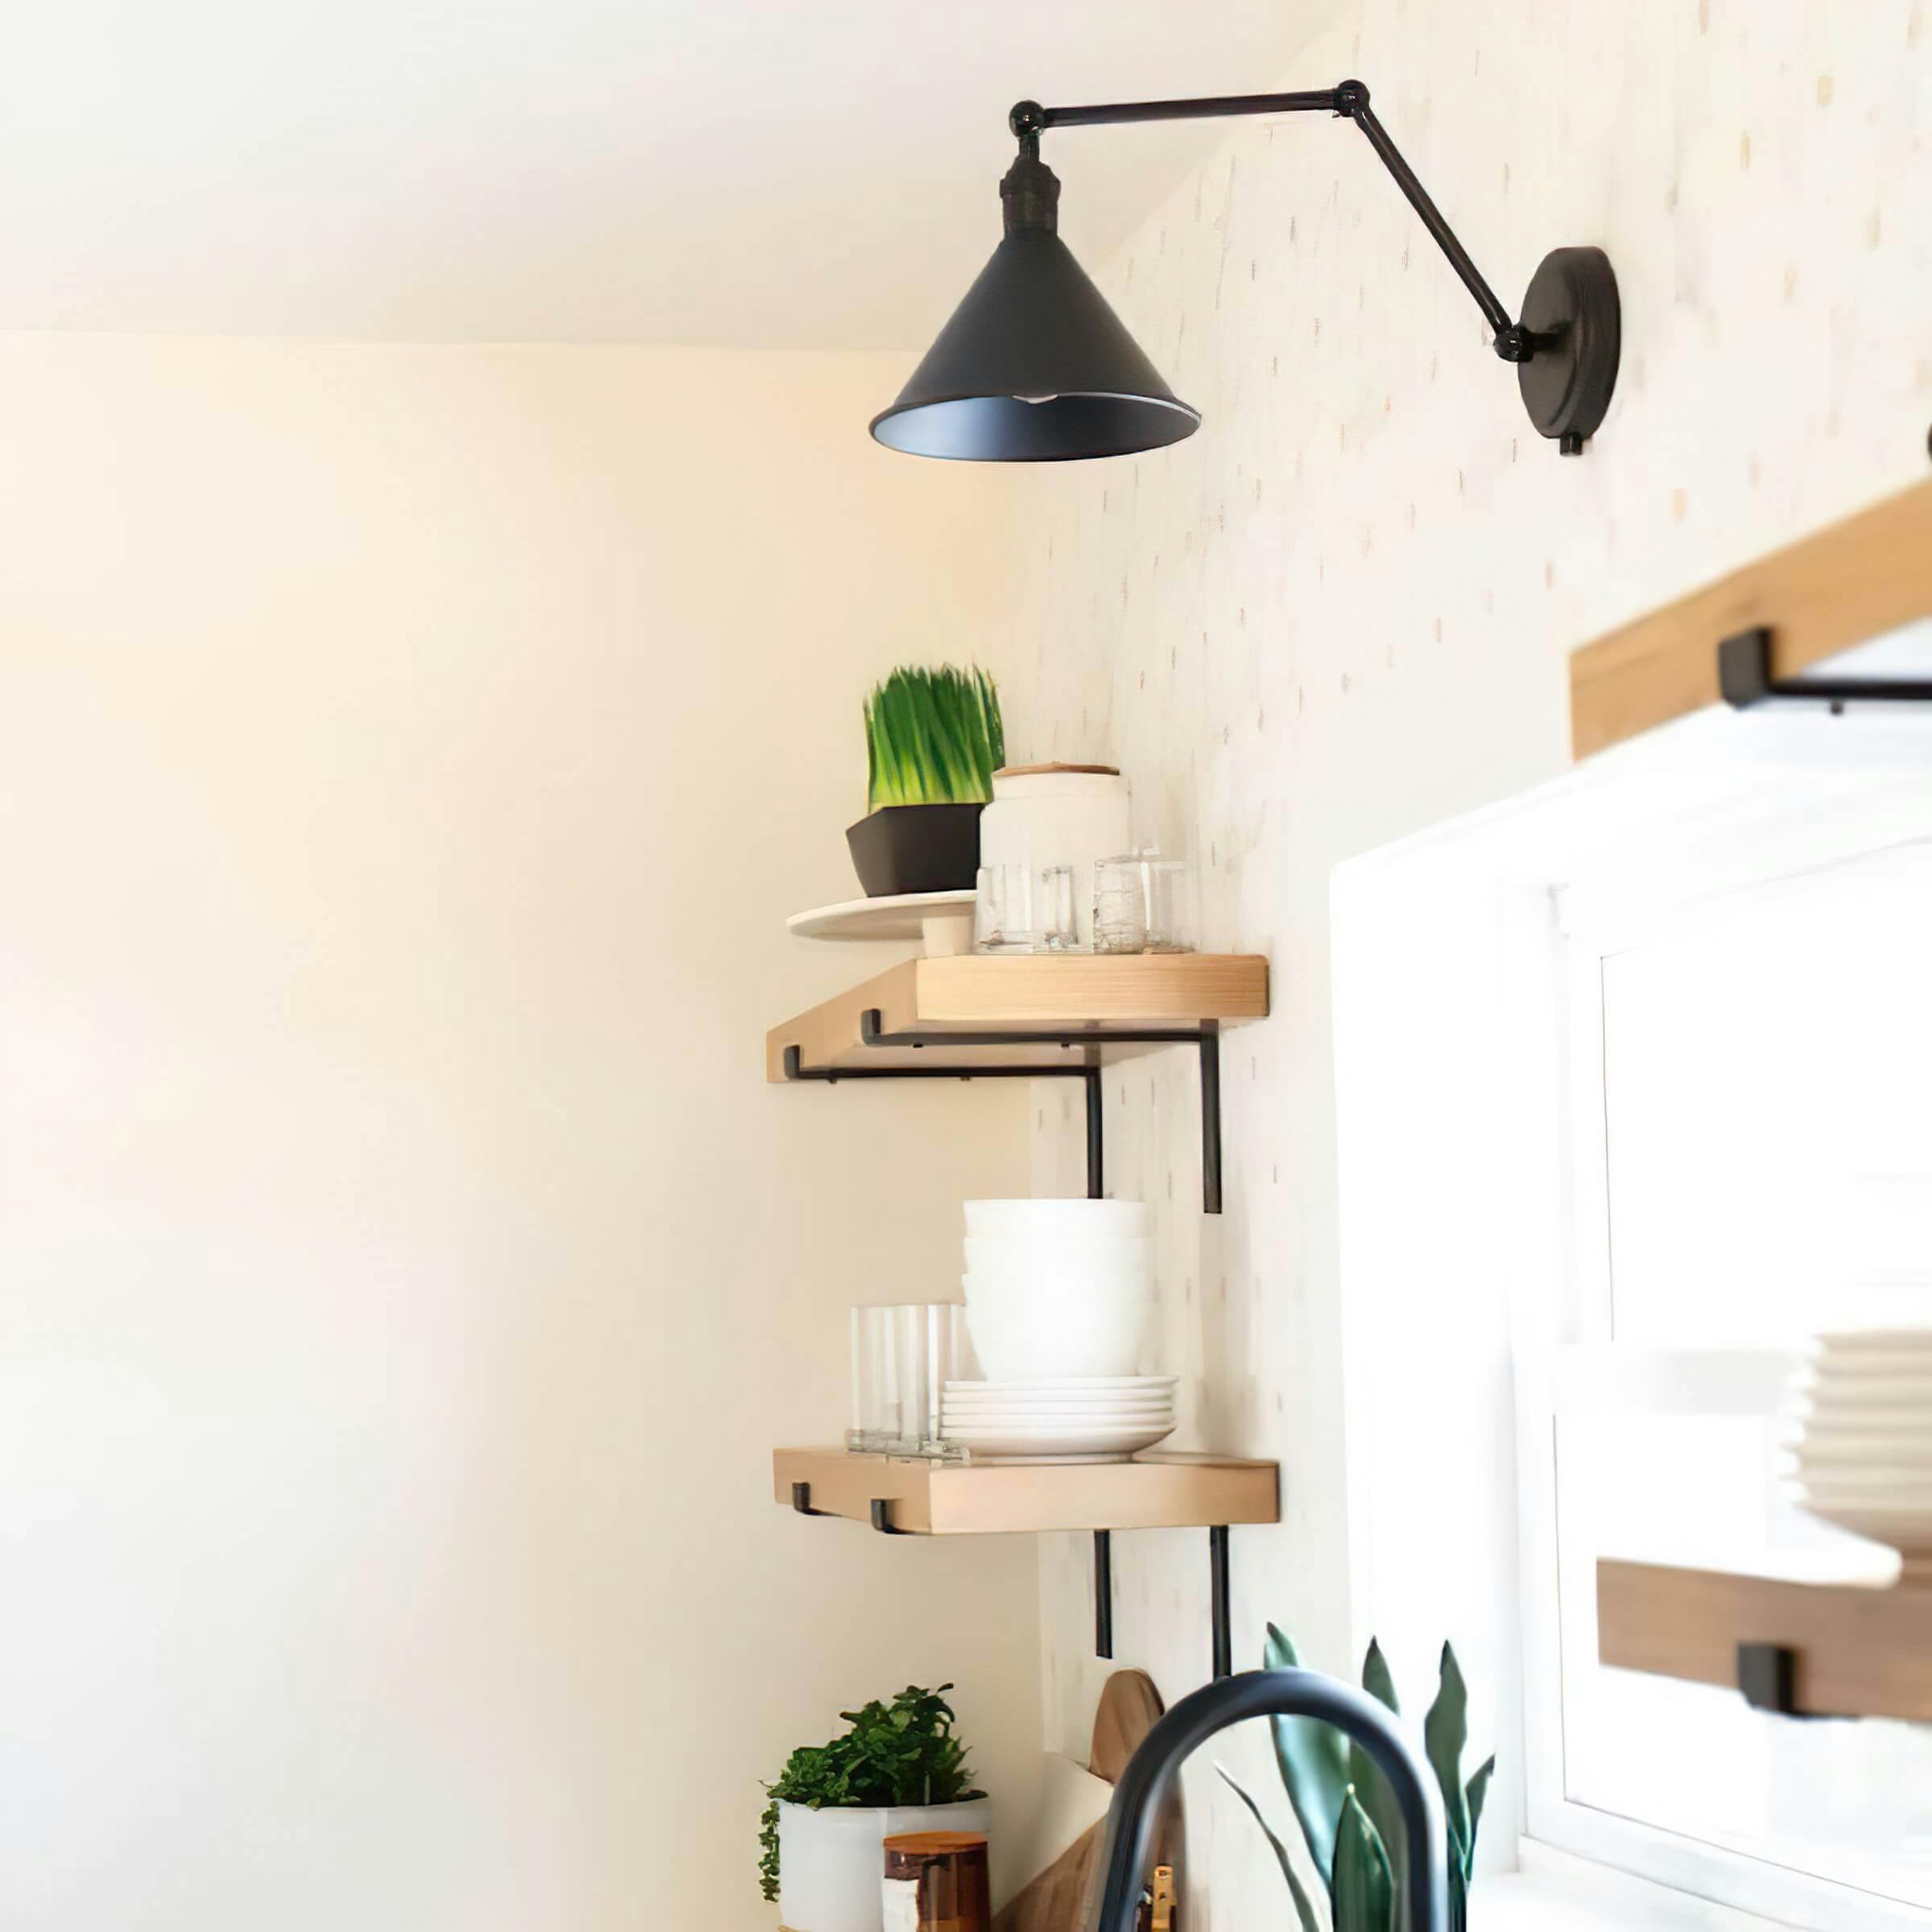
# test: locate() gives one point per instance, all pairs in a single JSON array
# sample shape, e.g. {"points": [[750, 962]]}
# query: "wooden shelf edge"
{"points": [[1157, 1491], [1857, 1650], [1839, 586], [1053, 993]]}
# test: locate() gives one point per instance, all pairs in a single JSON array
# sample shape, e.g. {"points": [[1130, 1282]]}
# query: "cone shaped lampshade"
{"points": [[1033, 368]]}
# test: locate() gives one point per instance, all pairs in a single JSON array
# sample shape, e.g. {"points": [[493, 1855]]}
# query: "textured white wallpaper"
{"points": [[1342, 610]]}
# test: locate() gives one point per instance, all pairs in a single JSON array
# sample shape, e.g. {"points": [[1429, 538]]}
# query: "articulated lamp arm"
{"points": [[1350, 102]]}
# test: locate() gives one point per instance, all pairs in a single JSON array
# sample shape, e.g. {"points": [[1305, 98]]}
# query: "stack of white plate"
{"points": [[1059, 1291], [1088, 1419], [1861, 1441]]}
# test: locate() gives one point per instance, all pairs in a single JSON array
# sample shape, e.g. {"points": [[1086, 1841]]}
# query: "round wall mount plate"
{"points": [[1573, 311], [906, 915]]}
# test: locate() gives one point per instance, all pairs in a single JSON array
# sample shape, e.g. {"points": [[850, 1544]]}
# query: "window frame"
{"points": [[1545, 888]]}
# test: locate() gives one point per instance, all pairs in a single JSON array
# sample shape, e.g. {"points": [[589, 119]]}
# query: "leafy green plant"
{"points": [[1347, 1810], [934, 737], [900, 1753]]}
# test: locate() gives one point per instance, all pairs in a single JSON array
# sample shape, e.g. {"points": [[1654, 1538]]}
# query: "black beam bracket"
{"points": [[1205, 1037], [801, 1500], [1744, 681], [1767, 1675]]}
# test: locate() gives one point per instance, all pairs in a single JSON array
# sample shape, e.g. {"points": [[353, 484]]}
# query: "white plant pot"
{"points": [[832, 1862]]}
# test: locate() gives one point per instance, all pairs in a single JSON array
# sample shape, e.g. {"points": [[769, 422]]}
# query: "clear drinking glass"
{"points": [[1002, 909], [1019, 908], [1054, 902], [1141, 904], [902, 1357]]}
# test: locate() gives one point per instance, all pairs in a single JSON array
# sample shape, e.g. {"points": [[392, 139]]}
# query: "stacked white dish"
{"points": [[1861, 1437], [1059, 1299], [1090, 1419]]}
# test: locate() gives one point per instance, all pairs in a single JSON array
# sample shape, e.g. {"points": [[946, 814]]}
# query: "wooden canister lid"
{"points": [[1038, 771]]}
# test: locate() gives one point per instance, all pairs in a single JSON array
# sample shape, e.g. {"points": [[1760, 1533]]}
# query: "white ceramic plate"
{"points": [[969, 1406], [1033, 1439], [1852, 1393], [900, 916], [1074, 1382], [1902, 1528], [1855, 1341], [1862, 1419], [1006, 1418], [1882, 1482]]}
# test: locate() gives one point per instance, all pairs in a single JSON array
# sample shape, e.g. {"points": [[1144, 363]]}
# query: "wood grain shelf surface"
{"points": [[1048, 994], [1153, 1491], [1859, 1650], [1841, 587]]}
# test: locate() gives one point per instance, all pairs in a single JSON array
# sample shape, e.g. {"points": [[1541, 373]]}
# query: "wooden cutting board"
{"points": [[1057, 1900]]}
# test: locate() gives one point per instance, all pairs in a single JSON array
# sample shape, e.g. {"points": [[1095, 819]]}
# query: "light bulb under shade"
{"points": [[1033, 367]]}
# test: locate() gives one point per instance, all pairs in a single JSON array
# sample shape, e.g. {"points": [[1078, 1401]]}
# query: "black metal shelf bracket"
{"points": [[1206, 1038], [1744, 681], [1767, 1674], [1103, 1593], [1103, 1580], [1218, 1595]]}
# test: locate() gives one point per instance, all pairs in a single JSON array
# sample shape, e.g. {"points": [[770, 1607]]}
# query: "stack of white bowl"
{"points": [[1059, 1299], [1861, 1439]]}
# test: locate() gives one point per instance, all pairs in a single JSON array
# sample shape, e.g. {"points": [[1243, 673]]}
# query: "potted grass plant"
{"points": [[934, 740], [1347, 1808], [898, 1768]]}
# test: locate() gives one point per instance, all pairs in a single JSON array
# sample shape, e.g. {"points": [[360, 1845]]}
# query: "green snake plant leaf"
{"points": [[1459, 1892], [1365, 1885], [1373, 1790], [1478, 1789], [1313, 1761], [1304, 1905], [1445, 1731]]}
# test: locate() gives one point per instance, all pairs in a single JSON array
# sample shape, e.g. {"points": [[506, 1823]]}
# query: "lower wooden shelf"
{"points": [[1808, 1649], [923, 1498]]}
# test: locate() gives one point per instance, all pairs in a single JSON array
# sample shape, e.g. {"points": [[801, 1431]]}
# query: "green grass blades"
{"points": [[1304, 1905], [1313, 1761], [933, 738], [1365, 1885]]}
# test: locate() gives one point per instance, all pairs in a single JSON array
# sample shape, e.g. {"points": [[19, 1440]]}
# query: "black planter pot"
{"points": [[916, 849]]}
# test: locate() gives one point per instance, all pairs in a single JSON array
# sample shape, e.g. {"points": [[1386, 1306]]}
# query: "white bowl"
{"points": [[1052, 1255], [1085, 1219], [1018, 1335]]}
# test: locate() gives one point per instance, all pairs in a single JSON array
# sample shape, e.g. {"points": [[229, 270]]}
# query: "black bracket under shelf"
{"points": [[1206, 1038], [1767, 1675], [1744, 681], [1103, 1577], [1219, 1613]]}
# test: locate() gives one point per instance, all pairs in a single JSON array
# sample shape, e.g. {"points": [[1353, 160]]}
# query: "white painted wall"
{"points": [[1342, 610], [407, 759]]}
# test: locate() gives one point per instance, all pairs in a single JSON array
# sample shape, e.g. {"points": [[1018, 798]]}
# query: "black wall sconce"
{"points": [[1034, 367]]}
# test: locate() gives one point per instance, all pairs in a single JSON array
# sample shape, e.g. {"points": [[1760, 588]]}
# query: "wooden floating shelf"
{"points": [[1845, 1649], [1153, 1491], [1837, 589], [1052, 995]]}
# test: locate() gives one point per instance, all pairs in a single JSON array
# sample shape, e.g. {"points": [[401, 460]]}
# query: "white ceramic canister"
{"points": [[1058, 814]]}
